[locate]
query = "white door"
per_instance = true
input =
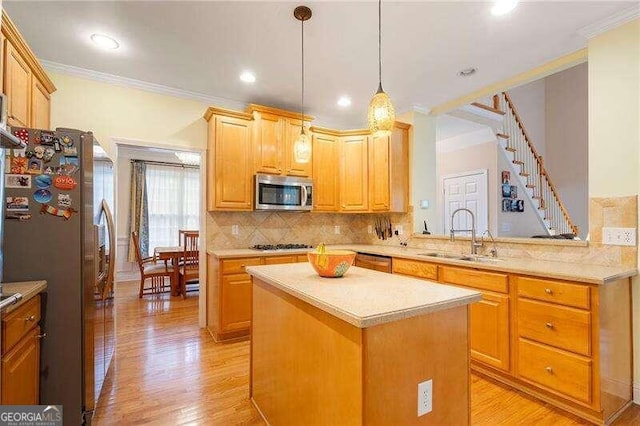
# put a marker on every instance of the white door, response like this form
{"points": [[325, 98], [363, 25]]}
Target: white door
{"points": [[466, 190]]}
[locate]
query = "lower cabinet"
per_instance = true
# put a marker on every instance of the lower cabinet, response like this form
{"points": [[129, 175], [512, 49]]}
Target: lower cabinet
{"points": [[21, 355], [490, 330], [229, 293]]}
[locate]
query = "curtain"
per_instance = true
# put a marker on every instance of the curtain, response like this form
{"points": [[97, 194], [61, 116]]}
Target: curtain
{"points": [[174, 202], [139, 214]]}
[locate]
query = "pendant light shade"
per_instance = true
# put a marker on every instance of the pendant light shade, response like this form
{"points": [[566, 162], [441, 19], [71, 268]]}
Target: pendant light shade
{"points": [[382, 115], [302, 145]]}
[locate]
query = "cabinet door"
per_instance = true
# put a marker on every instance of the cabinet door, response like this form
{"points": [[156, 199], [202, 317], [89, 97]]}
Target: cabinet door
{"points": [[490, 330], [235, 306], [325, 173], [292, 167], [17, 86], [379, 173], [21, 371], [40, 106], [354, 173], [269, 144], [233, 176]]}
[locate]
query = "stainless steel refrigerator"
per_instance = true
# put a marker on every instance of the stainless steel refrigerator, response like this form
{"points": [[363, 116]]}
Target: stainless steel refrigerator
{"points": [[52, 233]]}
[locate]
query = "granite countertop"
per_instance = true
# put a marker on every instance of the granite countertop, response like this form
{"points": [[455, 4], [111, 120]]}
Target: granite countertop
{"points": [[592, 274], [28, 289], [363, 297]]}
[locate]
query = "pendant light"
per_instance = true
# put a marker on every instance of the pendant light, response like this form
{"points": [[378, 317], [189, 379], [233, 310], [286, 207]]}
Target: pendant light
{"points": [[302, 145], [381, 113]]}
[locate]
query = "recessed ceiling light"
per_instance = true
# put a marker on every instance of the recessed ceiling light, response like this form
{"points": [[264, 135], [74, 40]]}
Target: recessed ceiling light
{"points": [[467, 72], [248, 77], [344, 101], [502, 7], [104, 41]]}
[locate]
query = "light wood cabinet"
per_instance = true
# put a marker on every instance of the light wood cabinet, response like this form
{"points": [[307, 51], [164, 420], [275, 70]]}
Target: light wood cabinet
{"points": [[275, 133], [354, 173], [325, 171], [567, 343], [490, 318], [229, 160], [27, 86], [379, 173], [21, 355], [229, 293], [17, 87], [40, 106], [489, 330]]}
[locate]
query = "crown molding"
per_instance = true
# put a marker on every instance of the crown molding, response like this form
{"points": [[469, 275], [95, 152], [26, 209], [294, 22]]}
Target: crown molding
{"points": [[610, 22], [141, 85]]}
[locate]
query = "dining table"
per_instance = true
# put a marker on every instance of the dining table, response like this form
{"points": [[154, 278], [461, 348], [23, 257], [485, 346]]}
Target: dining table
{"points": [[172, 253]]}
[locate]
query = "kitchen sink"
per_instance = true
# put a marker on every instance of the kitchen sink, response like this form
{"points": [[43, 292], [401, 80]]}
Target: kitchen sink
{"points": [[443, 255], [462, 257]]}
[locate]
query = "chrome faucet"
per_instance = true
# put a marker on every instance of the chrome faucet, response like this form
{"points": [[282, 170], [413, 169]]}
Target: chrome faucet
{"points": [[494, 251], [474, 243]]}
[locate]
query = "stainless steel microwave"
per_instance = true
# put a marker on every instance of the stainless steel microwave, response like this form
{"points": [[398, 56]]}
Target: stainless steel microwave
{"points": [[283, 193]]}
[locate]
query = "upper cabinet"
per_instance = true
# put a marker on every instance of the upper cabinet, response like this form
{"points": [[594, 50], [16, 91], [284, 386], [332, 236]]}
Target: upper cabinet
{"points": [[352, 171], [354, 191], [325, 170], [27, 86], [275, 132], [229, 160]]}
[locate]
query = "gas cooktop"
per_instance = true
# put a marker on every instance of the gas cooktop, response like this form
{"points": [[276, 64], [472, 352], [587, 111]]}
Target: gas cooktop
{"points": [[273, 247]]}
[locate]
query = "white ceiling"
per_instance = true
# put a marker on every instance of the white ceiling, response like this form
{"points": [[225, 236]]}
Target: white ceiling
{"points": [[203, 46], [448, 127]]}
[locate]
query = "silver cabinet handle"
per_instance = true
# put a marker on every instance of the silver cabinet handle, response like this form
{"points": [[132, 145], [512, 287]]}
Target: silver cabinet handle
{"points": [[548, 291], [549, 325], [30, 318], [549, 370], [41, 336]]}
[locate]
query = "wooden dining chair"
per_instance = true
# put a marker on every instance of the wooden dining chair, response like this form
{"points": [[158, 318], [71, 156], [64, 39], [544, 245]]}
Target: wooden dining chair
{"points": [[189, 271], [153, 270]]}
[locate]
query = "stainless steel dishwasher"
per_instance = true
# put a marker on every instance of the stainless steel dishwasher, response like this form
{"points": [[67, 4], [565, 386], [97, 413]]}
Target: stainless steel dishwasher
{"points": [[373, 261]]}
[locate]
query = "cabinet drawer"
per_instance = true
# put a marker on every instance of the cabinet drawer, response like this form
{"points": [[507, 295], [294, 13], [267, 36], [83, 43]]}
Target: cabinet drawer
{"points": [[554, 291], [236, 266], [302, 258], [559, 326], [17, 323], [477, 279], [414, 268], [555, 370], [275, 260]]}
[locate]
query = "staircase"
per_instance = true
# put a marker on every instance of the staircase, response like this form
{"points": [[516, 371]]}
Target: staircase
{"points": [[529, 168]]}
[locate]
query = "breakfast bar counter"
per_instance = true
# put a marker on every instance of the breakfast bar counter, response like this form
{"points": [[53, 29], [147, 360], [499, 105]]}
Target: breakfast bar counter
{"points": [[353, 350]]}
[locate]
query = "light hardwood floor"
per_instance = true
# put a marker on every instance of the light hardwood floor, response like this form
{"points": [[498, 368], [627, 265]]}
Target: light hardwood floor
{"points": [[167, 371]]}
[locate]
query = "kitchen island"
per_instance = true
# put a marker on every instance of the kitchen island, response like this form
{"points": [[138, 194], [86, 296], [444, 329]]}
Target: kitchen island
{"points": [[353, 350]]}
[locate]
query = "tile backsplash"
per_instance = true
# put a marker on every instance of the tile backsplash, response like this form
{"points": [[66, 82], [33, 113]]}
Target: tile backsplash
{"points": [[315, 228]]}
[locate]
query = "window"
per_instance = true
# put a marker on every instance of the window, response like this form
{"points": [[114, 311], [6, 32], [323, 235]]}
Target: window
{"points": [[173, 196], [102, 184]]}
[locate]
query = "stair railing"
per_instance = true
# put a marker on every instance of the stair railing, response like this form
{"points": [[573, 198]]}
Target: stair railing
{"points": [[533, 170]]}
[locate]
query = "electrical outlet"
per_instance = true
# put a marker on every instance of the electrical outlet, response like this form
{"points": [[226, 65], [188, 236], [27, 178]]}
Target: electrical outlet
{"points": [[506, 227], [425, 397], [234, 230], [619, 236], [369, 229], [336, 229]]}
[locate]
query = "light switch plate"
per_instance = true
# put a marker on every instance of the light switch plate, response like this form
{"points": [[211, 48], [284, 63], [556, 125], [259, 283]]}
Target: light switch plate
{"points": [[619, 236]]}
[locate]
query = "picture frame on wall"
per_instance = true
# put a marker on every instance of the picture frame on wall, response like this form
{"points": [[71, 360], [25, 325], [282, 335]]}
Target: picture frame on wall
{"points": [[520, 206], [506, 176], [506, 190], [514, 205], [506, 204], [513, 191]]}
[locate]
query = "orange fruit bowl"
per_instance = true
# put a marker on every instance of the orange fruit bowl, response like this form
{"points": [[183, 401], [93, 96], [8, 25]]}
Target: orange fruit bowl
{"points": [[332, 263]]}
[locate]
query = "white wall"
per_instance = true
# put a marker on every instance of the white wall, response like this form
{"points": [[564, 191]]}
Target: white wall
{"points": [[567, 140], [614, 132], [475, 157]]}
